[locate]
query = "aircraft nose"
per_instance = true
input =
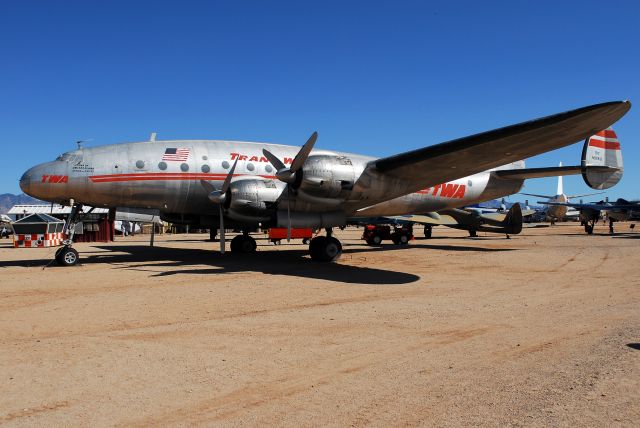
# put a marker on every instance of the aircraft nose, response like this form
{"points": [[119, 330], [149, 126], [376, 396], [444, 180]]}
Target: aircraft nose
{"points": [[25, 182], [46, 181]]}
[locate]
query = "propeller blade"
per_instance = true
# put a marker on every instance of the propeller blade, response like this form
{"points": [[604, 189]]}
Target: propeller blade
{"points": [[288, 216], [221, 230], [227, 180], [273, 159], [303, 154], [207, 186]]}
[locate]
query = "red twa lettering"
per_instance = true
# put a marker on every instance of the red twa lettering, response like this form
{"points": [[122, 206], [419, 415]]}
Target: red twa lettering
{"points": [[288, 161], [55, 179], [460, 192], [448, 190]]}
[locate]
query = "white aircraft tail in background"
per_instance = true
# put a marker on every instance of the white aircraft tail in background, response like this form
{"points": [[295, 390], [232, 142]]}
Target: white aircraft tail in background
{"points": [[601, 149]]}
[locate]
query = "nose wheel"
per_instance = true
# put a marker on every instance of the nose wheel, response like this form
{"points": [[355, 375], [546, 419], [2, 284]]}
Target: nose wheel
{"points": [[67, 256], [325, 249]]}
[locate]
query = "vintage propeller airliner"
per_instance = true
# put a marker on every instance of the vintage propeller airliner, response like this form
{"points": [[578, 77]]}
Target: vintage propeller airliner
{"points": [[211, 183]]}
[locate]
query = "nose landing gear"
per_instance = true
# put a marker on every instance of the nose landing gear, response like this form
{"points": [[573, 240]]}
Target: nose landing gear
{"points": [[67, 255]]}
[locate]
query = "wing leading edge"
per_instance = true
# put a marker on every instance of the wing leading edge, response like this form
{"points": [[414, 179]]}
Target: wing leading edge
{"points": [[397, 175]]}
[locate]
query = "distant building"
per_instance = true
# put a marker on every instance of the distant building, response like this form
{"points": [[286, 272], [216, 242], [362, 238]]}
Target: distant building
{"points": [[95, 226]]}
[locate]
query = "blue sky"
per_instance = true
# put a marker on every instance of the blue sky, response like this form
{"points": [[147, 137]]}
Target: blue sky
{"points": [[371, 77]]}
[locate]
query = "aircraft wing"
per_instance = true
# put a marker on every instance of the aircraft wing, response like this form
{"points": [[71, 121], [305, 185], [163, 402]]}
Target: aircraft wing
{"points": [[408, 172], [435, 219]]}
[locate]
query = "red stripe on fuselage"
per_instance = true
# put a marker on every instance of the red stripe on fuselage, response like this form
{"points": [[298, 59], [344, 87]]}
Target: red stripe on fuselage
{"points": [[164, 176]]}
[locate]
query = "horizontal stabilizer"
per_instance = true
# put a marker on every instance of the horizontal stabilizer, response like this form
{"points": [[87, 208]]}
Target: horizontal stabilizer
{"points": [[553, 171], [536, 195]]}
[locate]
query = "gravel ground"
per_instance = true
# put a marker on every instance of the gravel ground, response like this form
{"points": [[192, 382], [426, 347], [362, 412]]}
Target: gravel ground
{"points": [[539, 330]]}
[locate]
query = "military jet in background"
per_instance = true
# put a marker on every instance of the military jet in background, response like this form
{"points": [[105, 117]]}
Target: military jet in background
{"points": [[620, 210], [210, 183]]}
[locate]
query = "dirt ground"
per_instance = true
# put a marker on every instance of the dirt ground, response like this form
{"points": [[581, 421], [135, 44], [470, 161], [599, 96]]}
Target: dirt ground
{"points": [[539, 330]]}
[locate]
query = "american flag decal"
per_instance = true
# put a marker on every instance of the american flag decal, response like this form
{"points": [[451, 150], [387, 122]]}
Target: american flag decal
{"points": [[176, 155]]}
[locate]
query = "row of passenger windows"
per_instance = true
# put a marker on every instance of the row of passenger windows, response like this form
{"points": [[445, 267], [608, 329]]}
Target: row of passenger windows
{"points": [[204, 168]]}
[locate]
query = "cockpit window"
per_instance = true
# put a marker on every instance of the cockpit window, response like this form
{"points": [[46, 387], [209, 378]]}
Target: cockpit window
{"points": [[70, 157]]}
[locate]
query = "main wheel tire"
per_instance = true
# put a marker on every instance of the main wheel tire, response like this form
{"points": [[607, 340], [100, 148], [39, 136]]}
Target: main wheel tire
{"points": [[473, 234], [325, 249], [249, 245], [403, 239], [427, 231], [67, 257], [376, 240], [243, 244], [330, 250], [314, 246]]}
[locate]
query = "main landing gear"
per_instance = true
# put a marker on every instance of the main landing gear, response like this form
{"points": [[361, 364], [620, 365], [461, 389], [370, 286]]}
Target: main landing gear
{"points": [[588, 226], [243, 244], [325, 248]]}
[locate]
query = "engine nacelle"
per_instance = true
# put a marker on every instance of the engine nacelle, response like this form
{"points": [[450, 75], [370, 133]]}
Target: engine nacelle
{"points": [[326, 177], [253, 200]]}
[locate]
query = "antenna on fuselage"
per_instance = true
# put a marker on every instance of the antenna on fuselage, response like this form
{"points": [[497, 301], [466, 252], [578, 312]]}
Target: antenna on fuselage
{"points": [[79, 142]]}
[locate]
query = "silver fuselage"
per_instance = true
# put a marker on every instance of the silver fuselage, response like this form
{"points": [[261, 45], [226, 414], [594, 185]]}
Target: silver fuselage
{"points": [[135, 175]]}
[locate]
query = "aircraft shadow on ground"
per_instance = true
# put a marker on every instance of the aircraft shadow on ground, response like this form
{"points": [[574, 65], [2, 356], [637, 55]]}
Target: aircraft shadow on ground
{"points": [[140, 256], [413, 246], [626, 235], [287, 263]]}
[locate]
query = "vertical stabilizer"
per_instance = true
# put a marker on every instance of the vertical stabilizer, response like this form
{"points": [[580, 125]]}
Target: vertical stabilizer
{"points": [[560, 190], [602, 149]]}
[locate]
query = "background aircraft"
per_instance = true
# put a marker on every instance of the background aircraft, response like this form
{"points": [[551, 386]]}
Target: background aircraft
{"points": [[620, 210], [209, 183], [559, 212], [506, 222]]}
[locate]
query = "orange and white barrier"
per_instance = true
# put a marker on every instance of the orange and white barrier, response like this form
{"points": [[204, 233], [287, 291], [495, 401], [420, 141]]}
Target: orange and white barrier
{"points": [[38, 240]]}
